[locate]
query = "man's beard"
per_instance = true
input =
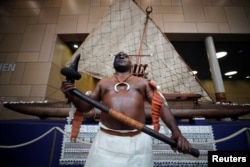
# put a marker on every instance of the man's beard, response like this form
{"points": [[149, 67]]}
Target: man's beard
{"points": [[121, 68]]}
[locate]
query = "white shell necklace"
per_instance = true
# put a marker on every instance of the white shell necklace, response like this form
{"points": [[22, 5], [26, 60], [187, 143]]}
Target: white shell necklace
{"points": [[122, 82]]}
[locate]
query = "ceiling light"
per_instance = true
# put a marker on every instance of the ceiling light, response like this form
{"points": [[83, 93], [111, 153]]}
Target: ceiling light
{"points": [[230, 73], [193, 72], [75, 46], [247, 77], [221, 54]]}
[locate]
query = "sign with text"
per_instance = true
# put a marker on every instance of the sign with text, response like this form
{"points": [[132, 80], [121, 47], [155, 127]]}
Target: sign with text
{"points": [[228, 158], [5, 67]]}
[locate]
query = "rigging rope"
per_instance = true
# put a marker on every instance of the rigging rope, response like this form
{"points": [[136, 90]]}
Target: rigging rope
{"points": [[40, 137], [149, 10], [78, 140], [225, 138]]}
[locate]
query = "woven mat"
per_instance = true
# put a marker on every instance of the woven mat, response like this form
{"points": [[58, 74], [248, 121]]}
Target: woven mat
{"points": [[76, 153]]}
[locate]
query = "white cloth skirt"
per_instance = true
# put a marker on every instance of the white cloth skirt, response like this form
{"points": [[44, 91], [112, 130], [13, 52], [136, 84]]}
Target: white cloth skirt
{"points": [[118, 151]]}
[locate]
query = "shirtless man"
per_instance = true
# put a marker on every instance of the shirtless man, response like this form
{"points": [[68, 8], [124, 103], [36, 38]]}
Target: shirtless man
{"points": [[117, 144]]}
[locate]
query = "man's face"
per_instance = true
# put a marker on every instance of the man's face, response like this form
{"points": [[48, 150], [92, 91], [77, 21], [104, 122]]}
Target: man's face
{"points": [[122, 62]]}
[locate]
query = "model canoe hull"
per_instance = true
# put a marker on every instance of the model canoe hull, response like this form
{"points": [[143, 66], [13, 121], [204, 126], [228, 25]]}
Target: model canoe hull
{"points": [[61, 110]]}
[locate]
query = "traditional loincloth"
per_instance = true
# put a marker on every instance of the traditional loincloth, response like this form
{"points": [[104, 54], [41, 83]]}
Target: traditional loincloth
{"points": [[124, 151]]}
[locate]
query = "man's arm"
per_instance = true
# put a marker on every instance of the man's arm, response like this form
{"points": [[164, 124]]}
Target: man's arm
{"points": [[167, 117], [81, 105]]}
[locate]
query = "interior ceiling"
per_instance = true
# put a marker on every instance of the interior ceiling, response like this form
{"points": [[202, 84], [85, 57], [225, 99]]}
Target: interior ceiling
{"points": [[191, 47]]}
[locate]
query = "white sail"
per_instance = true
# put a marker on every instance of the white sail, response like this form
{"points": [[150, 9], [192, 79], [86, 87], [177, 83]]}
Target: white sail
{"points": [[121, 29]]}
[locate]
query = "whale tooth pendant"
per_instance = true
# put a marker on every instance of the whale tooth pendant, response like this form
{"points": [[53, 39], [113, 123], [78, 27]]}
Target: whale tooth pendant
{"points": [[121, 83]]}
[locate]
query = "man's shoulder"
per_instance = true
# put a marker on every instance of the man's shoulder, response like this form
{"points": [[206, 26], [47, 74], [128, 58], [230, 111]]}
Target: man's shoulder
{"points": [[133, 77], [140, 80], [105, 80]]}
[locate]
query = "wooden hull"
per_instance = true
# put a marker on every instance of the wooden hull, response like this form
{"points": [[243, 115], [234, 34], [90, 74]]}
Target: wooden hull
{"points": [[61, 110], [211, 111]]}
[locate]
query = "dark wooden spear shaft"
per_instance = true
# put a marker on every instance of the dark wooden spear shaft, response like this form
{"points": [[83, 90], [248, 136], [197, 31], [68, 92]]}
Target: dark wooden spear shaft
{"points": [[129, 121]]}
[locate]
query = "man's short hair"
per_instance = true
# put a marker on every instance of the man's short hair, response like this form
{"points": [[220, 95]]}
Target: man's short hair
{"points": [[121, 53]]}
